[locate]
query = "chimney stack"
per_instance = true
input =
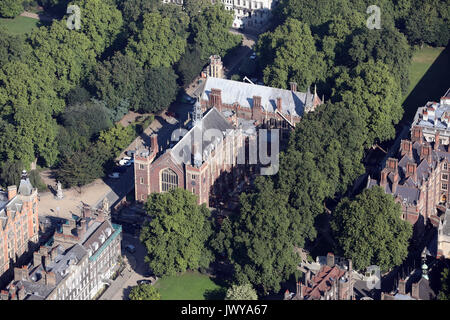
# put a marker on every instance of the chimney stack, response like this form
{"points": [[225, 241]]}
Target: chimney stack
{"points": [[279, 106], [154, 143], [293, 86], [425, 152], [256, 102], [12, 192], [416, 134], [402, 286], [406, 148], [437, 141], [383, 180], [411, 170], [392, 164]]}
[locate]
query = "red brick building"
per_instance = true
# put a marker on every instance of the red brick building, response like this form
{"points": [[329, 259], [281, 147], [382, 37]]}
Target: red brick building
{"points": [[418, 178], [203, 167], [268, 107], [19, 222]]}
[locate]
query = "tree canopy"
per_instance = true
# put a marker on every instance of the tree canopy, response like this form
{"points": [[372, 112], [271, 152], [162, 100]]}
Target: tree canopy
{"points": [[144, 292], [243, 292], [176, 238], [370, 230], [10, 8]]}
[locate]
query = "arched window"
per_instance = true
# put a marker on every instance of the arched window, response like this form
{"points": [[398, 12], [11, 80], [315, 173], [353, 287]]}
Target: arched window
{"points": [[169, 180]]}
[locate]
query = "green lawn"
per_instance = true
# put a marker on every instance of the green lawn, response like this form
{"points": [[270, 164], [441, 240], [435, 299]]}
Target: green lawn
{"points": [[189, 286], [18, 25], [428, 78]]}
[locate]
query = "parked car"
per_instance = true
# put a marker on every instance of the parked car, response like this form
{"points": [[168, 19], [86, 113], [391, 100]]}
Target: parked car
{"points": [[130, 248], [114, 175], [253, 56], [144, 282], [171, 114]]}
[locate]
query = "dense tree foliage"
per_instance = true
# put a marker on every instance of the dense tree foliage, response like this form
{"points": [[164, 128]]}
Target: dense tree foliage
{"points": [[190, 65], [260, 240], [159, 89], [176, 238], [210, 30], [118, 80], [157, 44], [243, 292], [144, 292], [10, 8], [370, 230], [444, 292], [290, 55], [372, 92]]}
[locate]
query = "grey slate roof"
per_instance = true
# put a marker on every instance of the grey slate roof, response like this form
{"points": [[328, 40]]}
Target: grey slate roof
{"points": [[213, 119], [446, 223], [235, 91]]}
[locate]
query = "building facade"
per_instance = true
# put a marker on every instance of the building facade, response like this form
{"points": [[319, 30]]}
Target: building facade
{"points": [[215, 67], [19, 229], [82, 256], [443, 246], [194, 163]]}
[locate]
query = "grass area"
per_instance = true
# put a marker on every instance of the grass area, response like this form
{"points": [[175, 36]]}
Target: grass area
{"points": [[18, 25], [429, 78], [189, 286]]}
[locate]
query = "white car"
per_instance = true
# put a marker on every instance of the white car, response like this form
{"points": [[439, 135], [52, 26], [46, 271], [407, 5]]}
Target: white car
{"points": [[126, 161], [114, 175]]}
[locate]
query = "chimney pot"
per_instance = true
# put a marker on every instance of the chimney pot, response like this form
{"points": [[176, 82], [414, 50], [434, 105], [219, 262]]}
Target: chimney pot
{"points": [[12, 192]]}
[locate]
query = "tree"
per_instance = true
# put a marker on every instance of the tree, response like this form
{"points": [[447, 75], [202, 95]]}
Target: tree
{"points": [[370, 230], [289, 54], [429, 23], [195, 7], [159, 89], [157, 43], [117, 138], [10, 8], [444, 293], [260, 244], [144, 292], [101, 22], [386, 45], [77, 95], [10, 173], [176, 238], [210, 31], [190, 65], [80, 168], [372, 92], [116, 80], [13, 48], [63, 54], [243, 292]]}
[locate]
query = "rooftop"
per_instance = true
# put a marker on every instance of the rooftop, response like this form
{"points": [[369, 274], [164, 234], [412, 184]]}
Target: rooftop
{"points": [[241, 92]]}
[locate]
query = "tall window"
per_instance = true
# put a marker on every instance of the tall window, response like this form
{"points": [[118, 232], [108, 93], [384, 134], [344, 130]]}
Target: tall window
{"points": [[445, 165], [169, 180]]}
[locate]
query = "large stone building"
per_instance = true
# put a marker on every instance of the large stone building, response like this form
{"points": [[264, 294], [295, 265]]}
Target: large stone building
{"points": [[19, 229], [193, 163], [434, 118], [208, 166], [80, 259]]}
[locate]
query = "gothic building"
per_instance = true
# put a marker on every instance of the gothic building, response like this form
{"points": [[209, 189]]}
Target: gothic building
{"points": [[19, 228], [418, 178], [194, 163]]}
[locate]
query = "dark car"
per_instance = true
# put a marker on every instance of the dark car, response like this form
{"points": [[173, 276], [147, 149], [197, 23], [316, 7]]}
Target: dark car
{"points": [[144, 282], [171, 114]]}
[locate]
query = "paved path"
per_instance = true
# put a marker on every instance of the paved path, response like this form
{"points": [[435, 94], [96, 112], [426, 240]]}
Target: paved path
{"points": [[40, 17]]}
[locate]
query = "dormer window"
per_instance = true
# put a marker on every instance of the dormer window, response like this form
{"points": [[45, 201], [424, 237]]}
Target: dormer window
{"points": [[108, 232], [102, 238], [95, 245]]}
